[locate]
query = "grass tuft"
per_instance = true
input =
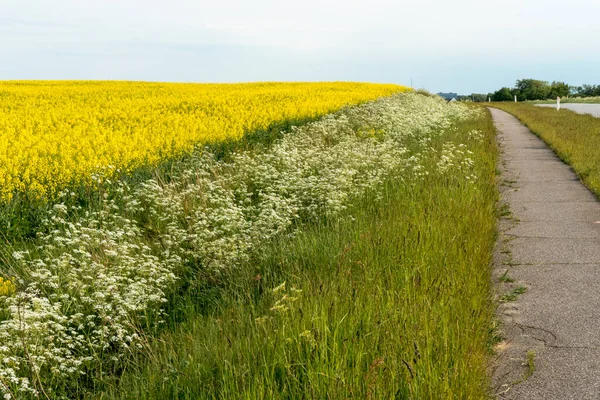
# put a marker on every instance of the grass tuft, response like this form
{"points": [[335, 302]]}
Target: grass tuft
{"points": [[513, 294]]}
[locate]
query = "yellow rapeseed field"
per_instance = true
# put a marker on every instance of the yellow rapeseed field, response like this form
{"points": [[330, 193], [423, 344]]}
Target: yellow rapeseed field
{"points": [[56, 133]]}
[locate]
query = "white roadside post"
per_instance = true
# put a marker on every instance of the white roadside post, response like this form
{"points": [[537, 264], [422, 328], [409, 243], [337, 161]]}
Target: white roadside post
{"points": [[558, 104], [489, 99], [515, 98]]}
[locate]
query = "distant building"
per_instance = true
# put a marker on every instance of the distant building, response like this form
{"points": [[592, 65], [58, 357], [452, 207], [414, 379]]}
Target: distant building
{"points": [[448, 96]]}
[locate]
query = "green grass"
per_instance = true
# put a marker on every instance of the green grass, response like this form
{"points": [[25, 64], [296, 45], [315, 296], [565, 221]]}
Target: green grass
{"points": [[513, 294], [575, 138], [390, 301], [529, 365], [505, 278], [583, 100]]}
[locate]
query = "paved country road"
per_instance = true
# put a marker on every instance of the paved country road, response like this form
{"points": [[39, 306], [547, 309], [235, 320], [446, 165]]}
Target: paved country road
{"points": [[549, 243], [593, 109]]}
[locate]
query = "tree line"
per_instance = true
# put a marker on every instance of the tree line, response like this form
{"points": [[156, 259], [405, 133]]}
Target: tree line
{"points": [[533, 89]]}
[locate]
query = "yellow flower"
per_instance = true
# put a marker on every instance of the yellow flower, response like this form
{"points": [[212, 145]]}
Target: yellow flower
{"points": [[7, 288], [57, 133]]}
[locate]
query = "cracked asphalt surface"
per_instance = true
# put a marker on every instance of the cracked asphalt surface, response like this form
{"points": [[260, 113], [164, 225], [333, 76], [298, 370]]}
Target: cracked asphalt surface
{"points": [[549, 244]]}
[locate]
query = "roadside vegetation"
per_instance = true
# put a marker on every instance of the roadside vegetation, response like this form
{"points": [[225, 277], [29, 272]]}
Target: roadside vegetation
{"points": [[585, 100], [345, 257], [573, 137], [578, 100], [389, 300]]}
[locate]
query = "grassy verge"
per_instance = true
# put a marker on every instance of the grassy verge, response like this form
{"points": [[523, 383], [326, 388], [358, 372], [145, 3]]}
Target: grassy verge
{"points": [[392, 300], [574, 137], [577, 100]]}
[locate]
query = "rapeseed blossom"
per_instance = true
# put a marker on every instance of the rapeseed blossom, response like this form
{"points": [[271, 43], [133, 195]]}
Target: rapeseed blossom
{"points": [[57, 133], [7, 288]]}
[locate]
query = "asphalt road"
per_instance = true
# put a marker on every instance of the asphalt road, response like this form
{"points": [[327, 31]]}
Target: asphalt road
{"points": [[593, 109], [549, 245]]}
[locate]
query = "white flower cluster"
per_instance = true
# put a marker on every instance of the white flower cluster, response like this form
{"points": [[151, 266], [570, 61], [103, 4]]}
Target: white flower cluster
{"points": [[79, 296], [476, 135], [455, 156], [84, 292]]}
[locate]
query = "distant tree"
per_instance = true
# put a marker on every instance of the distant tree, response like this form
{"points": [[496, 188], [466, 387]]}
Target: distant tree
{"points": [[504, 94], [520, 95], [572, 90], [533, 89], [585, 91], [559, 89], [588, 91], [476, 97], [479, 97]]}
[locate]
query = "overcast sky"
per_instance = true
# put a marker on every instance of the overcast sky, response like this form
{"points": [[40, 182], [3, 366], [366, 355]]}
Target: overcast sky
{"points": [[460, 45]]}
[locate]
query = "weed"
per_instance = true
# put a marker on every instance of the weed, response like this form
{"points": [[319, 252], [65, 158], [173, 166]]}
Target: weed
{"points": [[504, 210], [505, 278], [529, 367], [513, 294]]}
